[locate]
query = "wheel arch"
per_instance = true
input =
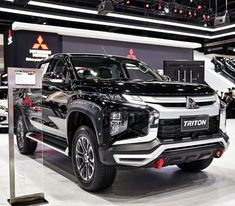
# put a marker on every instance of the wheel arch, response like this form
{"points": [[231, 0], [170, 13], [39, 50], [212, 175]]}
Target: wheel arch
{"points": [[78, 116]]}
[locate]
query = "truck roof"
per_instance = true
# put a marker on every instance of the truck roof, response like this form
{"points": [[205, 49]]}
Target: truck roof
{"points": [[84, 55]]}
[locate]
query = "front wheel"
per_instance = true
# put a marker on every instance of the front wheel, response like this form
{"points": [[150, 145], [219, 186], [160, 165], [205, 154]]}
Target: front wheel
{"points": [[92, 175], [195, 166]]}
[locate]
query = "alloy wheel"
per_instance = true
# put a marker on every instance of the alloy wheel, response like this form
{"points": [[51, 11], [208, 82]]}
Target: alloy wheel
{"points": [[20, 134], [85, 158]]}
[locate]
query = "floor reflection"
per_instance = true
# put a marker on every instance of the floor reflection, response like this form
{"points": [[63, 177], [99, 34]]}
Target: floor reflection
{"points": [[131, 184]]}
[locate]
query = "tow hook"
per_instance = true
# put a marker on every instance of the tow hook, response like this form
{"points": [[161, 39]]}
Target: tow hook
{"points": [[159, 164], [219, 153]]}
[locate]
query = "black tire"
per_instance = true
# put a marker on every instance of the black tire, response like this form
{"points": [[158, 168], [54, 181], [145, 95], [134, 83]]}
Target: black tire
{"points": [[217, 68], [25, 145], [101, 176], [195, 166]]}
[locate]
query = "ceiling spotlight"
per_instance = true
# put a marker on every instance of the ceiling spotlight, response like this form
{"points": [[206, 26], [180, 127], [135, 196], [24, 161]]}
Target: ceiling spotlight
{"points": [[199, 7], [181, 11], [105, 7], [128, 2], [147, 6], [167, 10], [190, 13], [175, 10]]}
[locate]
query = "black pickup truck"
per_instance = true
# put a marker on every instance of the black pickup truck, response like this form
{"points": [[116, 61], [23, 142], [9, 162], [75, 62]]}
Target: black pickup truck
{"points": [[107, 112]]}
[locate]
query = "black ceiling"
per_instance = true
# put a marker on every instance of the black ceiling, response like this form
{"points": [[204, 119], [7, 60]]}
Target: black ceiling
{"points": [[6, 19]]}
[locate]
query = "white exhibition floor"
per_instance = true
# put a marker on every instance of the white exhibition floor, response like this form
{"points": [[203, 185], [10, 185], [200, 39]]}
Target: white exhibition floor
{"points": [[168, 186]]}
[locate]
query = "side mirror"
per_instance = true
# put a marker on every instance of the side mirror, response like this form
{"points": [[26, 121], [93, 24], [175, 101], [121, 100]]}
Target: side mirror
{"points": [[54, 77], [166, 78]]}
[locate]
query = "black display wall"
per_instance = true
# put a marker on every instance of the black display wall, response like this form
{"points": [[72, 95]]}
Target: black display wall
{"points": [[152, 55], [185, 71], [26, 49]]}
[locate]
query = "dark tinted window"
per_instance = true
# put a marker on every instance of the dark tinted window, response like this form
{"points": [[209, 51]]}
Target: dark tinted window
{"points": [[60, 67], [113, 68], [97, 68], [3, 93], [139, 71]]}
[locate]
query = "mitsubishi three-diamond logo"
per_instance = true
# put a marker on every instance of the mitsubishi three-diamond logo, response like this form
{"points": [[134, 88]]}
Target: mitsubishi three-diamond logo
{"points": [[131, 54], [40, 44], [39, 50]]}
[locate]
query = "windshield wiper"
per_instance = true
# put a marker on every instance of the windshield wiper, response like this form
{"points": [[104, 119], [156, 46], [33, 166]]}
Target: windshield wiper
{"points": [[152, 80]]}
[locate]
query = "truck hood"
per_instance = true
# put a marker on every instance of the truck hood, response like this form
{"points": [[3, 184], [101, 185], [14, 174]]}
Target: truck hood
{"points": [[146, 88]]}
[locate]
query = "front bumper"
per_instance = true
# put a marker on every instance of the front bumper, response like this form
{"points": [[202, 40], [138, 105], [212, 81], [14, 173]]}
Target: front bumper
{"points": [[144, 154]]}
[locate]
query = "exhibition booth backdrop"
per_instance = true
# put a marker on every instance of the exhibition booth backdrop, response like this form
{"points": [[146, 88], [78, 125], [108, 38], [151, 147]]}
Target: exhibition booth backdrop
{"points": [[27, 48]]}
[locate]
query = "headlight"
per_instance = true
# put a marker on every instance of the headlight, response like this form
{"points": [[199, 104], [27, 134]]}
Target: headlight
{"points": [[223, 116], [113, 97], [118, 123], [133, 98]]}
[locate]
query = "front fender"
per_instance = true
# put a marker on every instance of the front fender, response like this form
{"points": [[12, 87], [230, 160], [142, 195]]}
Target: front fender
{"points": [[93, 111]]}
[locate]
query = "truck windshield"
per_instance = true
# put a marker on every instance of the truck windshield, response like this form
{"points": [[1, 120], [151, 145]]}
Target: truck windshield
{"points": [[112, 68]]}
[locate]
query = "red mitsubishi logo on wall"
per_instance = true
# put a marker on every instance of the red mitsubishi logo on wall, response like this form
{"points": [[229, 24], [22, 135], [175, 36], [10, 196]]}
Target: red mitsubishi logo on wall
{"points": [[40, 44], [131, 54]]}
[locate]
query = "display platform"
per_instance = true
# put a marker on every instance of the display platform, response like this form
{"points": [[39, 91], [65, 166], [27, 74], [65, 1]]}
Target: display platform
{"points": [[212, 187]]}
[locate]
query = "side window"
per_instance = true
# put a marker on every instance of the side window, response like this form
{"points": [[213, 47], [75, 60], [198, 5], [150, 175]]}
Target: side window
{"points": [[44, 67], [60, 67]]}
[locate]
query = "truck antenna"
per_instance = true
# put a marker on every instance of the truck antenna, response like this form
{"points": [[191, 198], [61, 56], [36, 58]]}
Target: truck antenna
{"points": [[105, 53]]}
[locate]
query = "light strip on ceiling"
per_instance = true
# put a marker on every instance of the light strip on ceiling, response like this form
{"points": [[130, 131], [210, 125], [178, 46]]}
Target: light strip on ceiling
{"points": [[87, 21], [103, 35], [122, 16], [171, 23], [60, 7]]}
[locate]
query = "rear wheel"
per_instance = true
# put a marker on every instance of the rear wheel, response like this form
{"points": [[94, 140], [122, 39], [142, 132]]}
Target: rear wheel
{"points": [[217, 68], [25, 145], [195, 166], [92, 175]]}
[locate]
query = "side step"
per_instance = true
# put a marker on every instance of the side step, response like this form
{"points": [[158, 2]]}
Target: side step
{"points": [[56, 145]]}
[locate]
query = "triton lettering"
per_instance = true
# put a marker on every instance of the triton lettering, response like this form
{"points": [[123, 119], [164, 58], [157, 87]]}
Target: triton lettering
{"points": [[195, 123]]}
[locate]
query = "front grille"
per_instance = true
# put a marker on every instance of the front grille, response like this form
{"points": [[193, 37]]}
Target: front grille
{"points": [[171, 129], [200, 104]]}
